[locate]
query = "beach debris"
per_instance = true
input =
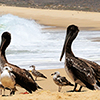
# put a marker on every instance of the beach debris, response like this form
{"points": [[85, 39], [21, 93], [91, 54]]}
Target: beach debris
{"points": [[24, 93]]}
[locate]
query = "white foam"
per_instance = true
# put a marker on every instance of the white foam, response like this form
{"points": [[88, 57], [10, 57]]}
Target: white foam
{"points": [[23, 32]]}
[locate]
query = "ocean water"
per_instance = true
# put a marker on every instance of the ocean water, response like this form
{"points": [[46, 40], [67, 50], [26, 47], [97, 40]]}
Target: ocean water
{"points": [[32, 44]]}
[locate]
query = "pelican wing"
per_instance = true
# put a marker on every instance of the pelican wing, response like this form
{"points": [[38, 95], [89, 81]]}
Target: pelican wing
{"points": [[81, 71], [23, 78], [94, 66]]}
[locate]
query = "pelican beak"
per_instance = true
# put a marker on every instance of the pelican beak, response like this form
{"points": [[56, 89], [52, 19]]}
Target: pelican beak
{"points": [[2, 43], [65, 43]]}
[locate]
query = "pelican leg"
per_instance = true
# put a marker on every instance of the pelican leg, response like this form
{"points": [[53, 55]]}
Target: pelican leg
{"points": [[74, 87], [80, 89], [74, 90]]}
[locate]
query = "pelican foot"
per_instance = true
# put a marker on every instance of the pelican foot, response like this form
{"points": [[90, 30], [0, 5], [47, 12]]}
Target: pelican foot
{"points": [[74, 91]]}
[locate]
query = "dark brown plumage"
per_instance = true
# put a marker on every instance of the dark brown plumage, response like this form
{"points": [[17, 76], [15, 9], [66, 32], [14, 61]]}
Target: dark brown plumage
{"points": [[60, 81], [23, 79], [79, 70], [96, 69], [37, 73]]}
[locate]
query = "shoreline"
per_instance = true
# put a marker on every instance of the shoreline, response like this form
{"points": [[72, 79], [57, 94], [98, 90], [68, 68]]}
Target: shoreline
{"points": [[59, 18]]}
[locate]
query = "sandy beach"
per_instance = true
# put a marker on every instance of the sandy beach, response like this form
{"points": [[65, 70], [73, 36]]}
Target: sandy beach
{"points": [[60, 19], [50, 90]]}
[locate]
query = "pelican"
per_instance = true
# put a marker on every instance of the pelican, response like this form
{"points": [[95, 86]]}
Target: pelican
{"points": [[78, 69], [8, 80], [60, 81], [37, 73], [23, 77]]}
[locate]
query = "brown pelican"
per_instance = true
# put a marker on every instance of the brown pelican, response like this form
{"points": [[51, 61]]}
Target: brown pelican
{"points": [[79, 70], [60, 81], [37, 73], [8, 80], [22, 77]]}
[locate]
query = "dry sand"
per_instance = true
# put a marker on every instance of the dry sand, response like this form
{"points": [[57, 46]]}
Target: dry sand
{"points": [[50, 89], [59, 18]]}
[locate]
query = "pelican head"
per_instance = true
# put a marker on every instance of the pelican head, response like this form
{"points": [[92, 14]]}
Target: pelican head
{"points": [[6, 38], [71, 34]]}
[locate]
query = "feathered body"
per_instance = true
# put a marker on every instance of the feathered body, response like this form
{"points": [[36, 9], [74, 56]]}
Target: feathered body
{"points": [[22, 77], [79, 70]]}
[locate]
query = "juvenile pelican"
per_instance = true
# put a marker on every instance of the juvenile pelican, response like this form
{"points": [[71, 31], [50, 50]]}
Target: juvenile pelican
{"points": [[37, 73], [23, 77], [60, 81], [78, 69]]}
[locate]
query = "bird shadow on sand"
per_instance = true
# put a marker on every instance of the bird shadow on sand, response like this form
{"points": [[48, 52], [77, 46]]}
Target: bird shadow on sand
{"points": [[76, 91], [5, 95], [40, 80]]}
